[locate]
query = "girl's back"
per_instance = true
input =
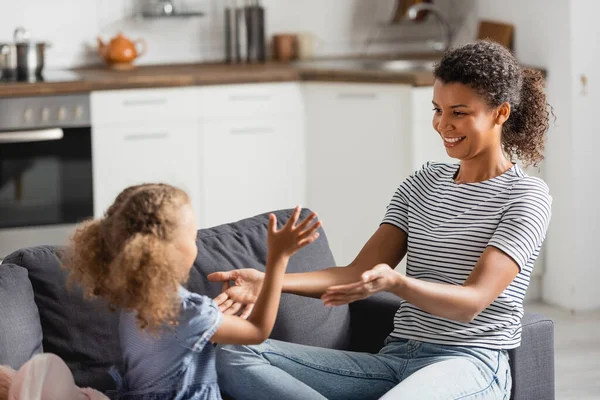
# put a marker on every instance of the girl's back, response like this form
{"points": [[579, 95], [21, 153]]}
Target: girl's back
{"points": [[179, 363]]}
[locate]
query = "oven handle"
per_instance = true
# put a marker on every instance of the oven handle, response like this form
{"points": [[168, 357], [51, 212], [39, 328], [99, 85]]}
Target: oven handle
{"points": [[31, 136]]}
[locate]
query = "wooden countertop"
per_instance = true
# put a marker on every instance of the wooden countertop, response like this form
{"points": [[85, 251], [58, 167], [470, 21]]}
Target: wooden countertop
{"points": [[155, 76], [101, 78]]}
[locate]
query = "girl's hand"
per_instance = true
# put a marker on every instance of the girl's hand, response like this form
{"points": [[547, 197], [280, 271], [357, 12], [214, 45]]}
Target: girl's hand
{"points": [[381, 278], [291, 238]]}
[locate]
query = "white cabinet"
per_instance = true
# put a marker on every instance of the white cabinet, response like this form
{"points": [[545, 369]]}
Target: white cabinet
{"points": [[159, 152], [358, 152], [238, 150], [253, 157], [251, 167], [251, 100], [143, 136], [114, 107]]}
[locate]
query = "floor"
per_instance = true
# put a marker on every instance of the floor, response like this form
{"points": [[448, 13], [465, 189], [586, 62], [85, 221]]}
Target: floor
{"points": [[577, 352]]}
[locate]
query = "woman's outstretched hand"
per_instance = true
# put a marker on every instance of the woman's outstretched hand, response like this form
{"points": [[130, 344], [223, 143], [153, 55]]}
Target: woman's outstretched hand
{"points": [[240, 296], [381, 278]]}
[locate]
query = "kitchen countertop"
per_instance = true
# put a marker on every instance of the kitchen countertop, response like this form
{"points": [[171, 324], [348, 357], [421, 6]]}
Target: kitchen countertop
{"points": [[173, 75]]}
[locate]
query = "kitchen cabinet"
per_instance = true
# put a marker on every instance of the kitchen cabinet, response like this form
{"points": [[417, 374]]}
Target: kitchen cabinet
{"points": [[247, 101], [118, 107], [158, 152], [253, 152], [358, 151], [145, 135], [238, 150], [251, 167]]}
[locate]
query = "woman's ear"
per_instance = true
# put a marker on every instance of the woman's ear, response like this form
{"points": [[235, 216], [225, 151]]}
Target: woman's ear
{"points": [[502, 113]]}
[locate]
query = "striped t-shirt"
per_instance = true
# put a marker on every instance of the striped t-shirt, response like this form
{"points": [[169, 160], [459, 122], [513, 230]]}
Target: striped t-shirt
{"points": [[449, 226]]}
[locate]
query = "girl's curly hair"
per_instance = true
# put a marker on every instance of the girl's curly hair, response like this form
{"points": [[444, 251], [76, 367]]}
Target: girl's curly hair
{"points": [[493, 72], [127, 258]]}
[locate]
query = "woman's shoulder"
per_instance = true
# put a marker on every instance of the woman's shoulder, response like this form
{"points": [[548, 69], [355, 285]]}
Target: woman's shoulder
{"points": [[530, 190], [529, 184]]}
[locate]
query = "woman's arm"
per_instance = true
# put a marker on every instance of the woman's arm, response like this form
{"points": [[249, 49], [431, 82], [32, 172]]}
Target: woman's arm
{"points": [[492, 274], [387, 245], [494, 271], [520, 232]]}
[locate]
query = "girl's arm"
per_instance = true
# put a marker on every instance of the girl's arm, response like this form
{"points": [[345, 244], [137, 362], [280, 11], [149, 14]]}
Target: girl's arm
{"points": [[282, 244]]}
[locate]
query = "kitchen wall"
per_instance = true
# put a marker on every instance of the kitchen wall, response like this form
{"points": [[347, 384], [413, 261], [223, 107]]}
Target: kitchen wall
{"points": [[342, 26], [584, 167]]}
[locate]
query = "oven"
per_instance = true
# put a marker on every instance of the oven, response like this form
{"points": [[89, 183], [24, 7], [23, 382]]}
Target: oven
{"points": [[45, 169]]}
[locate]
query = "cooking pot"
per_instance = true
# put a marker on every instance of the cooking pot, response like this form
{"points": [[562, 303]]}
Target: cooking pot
{"points": [[23, 58], [8, 60]]}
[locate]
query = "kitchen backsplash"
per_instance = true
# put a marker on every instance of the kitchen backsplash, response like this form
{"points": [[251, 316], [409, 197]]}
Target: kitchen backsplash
{"points": [[340, 27]]}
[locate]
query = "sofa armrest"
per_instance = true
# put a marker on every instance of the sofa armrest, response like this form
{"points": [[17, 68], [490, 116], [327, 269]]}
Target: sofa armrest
{"points": [[371, 321], [532, 363]]}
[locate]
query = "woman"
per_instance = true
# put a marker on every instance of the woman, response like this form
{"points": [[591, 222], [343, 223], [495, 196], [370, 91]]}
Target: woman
{"points": [[471, 232]]}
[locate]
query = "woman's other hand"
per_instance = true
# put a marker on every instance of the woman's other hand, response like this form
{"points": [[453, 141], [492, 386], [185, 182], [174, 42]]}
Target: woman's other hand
{"points": [[381, 278]]}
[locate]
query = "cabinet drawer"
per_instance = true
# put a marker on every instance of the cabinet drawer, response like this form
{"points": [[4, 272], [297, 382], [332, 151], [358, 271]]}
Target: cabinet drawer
{"points": [[143, 105], [251, 100]]}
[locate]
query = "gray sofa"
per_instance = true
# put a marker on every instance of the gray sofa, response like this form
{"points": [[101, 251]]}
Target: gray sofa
{"points": [[38, 313]]}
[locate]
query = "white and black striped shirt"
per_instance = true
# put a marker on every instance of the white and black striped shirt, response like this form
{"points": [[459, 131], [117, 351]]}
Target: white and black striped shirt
{"points": [[449, 226]]}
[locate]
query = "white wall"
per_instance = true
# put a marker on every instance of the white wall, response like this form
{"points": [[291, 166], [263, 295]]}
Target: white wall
{"points": [[72, 26], [585, 60]]}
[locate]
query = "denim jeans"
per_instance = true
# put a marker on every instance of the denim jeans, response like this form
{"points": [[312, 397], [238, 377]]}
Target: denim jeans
{"points": [[403, 369]]}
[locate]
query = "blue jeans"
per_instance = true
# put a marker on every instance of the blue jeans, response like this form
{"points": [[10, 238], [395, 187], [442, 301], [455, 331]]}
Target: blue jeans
{"points": [[403, 369]]}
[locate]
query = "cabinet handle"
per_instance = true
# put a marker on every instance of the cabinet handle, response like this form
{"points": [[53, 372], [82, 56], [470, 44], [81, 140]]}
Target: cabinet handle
{"points": [[249, 97], [145, 136], [253, 130], [362, 96], [144, 102]]}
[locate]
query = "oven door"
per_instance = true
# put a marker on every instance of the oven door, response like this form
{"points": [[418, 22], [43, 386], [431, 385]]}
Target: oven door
{"points": [[45, 185]]}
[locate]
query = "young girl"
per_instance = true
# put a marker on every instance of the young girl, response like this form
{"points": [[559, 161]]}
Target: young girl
{"points": [[136, 259]]}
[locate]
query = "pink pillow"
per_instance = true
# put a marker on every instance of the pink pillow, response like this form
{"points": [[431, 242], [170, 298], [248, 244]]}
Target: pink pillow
{"points": [[47, 377]]}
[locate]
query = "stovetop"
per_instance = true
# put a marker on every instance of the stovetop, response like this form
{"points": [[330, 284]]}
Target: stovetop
{"points": [[47, 76]]}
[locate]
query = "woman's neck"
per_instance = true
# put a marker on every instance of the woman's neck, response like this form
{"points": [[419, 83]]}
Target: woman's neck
{"points": [[482, 168]]}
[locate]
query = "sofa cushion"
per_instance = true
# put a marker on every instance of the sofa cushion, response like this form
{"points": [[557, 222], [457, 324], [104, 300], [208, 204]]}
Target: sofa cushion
{"points": [[243, 245], [532, 363], [20, 330], [83, 333]]}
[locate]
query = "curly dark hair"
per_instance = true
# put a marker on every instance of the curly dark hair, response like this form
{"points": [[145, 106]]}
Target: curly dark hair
{"points": [[494, 73], [127, 257]]}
